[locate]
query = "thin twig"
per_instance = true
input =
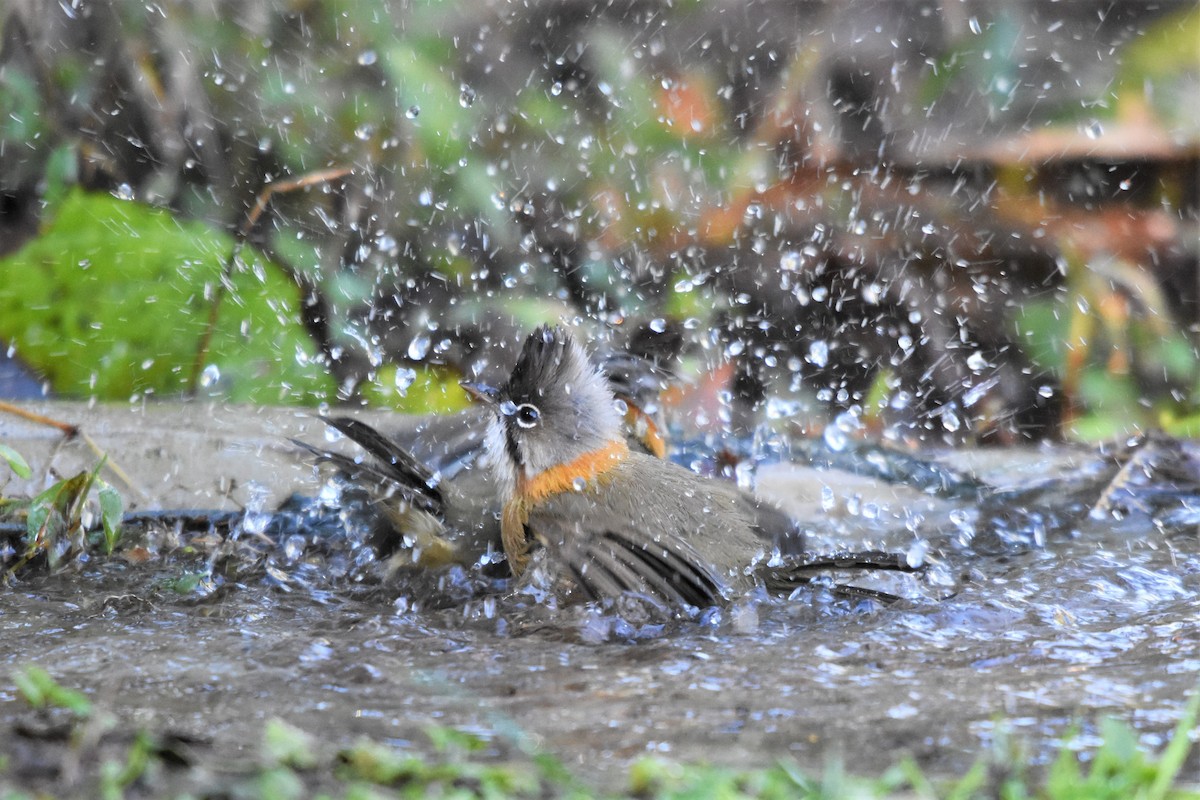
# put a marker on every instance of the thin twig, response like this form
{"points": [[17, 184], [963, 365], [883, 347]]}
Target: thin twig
{"points": [[68, 430], [115, 468], [240, 236]]}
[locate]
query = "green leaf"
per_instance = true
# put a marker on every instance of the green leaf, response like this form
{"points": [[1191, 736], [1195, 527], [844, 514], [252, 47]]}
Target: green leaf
{"points": [[17, 464], [39, 689], [446, 738], [113, 298], [285, 745], [1176, 753], [112, 506]]}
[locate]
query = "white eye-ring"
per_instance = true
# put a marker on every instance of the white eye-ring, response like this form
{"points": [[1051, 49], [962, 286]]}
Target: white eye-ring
{"points": [[527, 415]]}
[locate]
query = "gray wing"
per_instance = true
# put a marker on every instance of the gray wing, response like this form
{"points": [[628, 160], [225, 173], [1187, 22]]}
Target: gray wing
{"points": [[617, 559]]}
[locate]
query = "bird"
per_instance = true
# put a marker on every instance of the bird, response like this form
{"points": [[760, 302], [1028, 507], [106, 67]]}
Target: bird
{"points": [[616, 520], [565, 474], [434, 505]]}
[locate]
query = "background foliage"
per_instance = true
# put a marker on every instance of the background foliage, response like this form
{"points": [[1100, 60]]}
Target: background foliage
{"points": [[960, 223]]}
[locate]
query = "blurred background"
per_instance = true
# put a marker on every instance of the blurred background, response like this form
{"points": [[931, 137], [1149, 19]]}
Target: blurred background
{"points": [[954, 221]]}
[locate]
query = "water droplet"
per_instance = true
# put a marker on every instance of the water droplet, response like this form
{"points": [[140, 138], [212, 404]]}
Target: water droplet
{"points": [[425, 198], [466, 96], [556, 88], [818, 353], [405, 376], [915, 555], [950, 420], [977, 362], [579, 484], [210, 375], [293, 547], [790, 261], [973, 23], [367, 58], [744, 473], [1093, 129], [658, 324], [828, 500], [837, 434], [418, 348], [1046, 391], [979, 391], [778, 408], [413, 112]]}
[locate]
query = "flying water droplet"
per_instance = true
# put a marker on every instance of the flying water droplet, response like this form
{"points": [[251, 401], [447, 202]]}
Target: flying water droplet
{"points": [[779, 408], [210, 375], [744, 474], [418, 348], [413, 112], [466, 96], [405, 377], [818, 353], [367, 58], [915, 555], [837, 434], [293, 547]]}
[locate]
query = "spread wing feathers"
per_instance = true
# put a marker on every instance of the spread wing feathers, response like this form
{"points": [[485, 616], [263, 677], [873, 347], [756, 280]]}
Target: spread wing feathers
{"points": [[391, 470], [792, 570], [626, 561]]}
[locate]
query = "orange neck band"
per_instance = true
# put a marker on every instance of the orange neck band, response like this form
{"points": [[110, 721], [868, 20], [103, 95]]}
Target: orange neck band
{"points": [[562, 478]]}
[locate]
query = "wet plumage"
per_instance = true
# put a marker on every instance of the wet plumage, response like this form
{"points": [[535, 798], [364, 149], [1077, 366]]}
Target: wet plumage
{"points": [[615, 520]]}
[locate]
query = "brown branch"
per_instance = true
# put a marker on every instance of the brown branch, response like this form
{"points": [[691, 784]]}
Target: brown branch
{"points": [[69, 430], [240, 236]]}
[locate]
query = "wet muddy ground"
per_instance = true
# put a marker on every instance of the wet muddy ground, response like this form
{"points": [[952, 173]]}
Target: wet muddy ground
{"points": [[1067, 591]]}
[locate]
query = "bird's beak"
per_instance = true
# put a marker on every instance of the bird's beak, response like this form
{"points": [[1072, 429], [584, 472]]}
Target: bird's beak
{"points": [[481, 392]]}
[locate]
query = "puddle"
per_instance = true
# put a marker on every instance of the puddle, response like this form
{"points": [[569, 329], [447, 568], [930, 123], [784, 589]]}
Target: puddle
{"points": [[1034, 616]]}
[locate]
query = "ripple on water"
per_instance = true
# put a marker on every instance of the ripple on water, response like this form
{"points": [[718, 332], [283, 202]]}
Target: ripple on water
{"points": [[1046, 628]]}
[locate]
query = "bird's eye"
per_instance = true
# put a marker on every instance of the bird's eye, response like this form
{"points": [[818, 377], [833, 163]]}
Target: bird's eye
{"points": [[527, 415]]}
